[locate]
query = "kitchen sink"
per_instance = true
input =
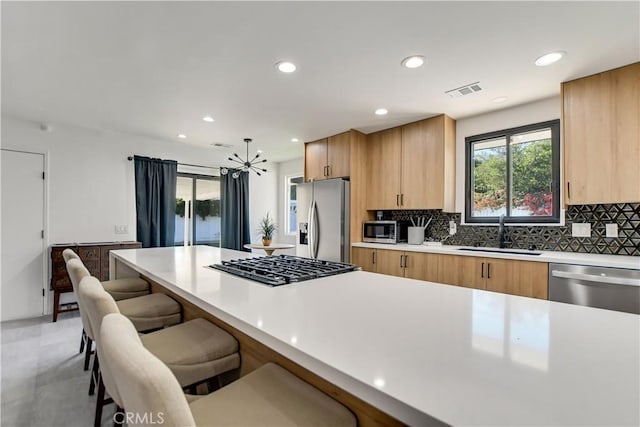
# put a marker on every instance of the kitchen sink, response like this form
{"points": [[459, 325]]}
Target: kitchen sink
{"points": [[500, 251]]}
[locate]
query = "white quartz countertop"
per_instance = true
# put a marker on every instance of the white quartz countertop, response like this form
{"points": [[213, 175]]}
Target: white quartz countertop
{"points": [[423, 352], [618, 261]]}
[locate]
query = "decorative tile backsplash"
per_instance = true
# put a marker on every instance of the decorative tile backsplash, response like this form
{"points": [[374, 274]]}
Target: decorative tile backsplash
{"points": [[626, 215]]}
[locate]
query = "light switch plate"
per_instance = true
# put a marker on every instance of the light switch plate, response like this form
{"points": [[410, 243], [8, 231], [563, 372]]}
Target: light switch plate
{"points": [[452, 228], [121, 229], [612, 230], [581, 229]]}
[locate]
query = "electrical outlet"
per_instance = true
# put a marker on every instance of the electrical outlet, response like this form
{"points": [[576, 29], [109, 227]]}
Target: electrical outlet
{"points": [[581, 229], [121, 229], [612, 230], [452, 228]]}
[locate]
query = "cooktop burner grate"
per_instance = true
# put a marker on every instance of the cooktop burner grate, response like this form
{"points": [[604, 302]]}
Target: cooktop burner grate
{"points": [[282, 269]]}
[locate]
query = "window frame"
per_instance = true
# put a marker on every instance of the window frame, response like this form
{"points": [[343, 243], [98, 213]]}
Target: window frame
{"points": [[287, 192], [554, 125]]}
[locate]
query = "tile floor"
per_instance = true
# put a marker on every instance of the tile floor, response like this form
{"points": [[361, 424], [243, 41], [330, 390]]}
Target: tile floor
{"points": [[42, 381]]}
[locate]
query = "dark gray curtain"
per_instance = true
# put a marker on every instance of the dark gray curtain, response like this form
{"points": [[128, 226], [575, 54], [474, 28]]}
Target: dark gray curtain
{"points": [[234, 198], [155, 201]]}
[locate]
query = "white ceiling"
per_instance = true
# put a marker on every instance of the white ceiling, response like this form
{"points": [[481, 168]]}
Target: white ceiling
{"points": [[155, 68]]}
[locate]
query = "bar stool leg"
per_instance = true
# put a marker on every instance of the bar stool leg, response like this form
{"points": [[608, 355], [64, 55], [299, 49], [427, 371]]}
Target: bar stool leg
{"points": [[82, 338], [97, 421], [94, 375], [87, 354]]}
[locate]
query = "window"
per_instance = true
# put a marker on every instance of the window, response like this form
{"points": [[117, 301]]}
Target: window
{"points": [[291, 207], [197, 210], [515, 173]]}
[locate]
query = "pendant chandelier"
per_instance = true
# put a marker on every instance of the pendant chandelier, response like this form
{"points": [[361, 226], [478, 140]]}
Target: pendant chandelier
{"points": [[247, 165]]}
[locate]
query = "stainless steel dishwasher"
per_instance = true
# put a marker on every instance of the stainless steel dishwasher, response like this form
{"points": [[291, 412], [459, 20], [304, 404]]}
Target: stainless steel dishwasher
{"points": [[602, 287]]}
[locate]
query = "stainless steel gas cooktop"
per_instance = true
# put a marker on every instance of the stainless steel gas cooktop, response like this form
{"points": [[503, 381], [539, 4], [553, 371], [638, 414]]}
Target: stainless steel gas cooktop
{"points": [[282, 269]]}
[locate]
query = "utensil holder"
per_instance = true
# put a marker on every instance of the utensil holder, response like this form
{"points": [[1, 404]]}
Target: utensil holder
{"points": [[415, 235]]}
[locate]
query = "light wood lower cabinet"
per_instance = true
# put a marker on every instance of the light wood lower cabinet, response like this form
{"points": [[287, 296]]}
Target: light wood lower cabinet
{"points": [[523, 278], [413, 265], [364, 258]]}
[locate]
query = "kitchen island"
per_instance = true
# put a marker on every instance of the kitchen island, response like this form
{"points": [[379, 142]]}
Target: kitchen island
{"points": [[422, 353]]}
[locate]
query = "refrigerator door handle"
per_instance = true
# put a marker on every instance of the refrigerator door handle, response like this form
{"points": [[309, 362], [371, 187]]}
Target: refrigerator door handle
{"points": [[316, 231]]}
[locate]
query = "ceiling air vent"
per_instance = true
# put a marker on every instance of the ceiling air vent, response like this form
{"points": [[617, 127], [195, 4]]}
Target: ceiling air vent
{"points": [[464, 90], [221, 145]]}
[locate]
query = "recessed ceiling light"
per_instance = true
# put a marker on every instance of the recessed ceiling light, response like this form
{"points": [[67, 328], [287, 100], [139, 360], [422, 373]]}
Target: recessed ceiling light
{"points": [[286, 67], [181, 136], [499, 99], [381, 111], [414, 61], [294, 140], [549, 58], [208, 119]]}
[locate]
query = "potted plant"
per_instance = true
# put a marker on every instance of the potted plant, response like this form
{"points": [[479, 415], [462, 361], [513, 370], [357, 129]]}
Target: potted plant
{"points": [[266, 229]]}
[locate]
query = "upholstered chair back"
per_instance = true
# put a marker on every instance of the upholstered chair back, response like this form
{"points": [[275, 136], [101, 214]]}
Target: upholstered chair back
{"points": [[148, 388], [77, 271], [68, 254], [98, 303]]}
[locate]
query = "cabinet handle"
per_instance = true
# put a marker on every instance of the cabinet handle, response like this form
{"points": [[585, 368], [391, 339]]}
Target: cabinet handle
{"points": [[328, 170], [568, 190], [406, 260], [401, 199], [397, 200], [489, 270], [482, 271], [373, 257], [401, 259]]}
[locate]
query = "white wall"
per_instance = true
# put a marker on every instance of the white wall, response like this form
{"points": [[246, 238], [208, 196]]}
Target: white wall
{"points": [[263, 198], [539, 111], [90, 182], [291, 167]]}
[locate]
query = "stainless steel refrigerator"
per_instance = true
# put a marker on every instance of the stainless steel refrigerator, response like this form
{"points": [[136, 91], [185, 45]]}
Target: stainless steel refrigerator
{"points": [[323, 220]]}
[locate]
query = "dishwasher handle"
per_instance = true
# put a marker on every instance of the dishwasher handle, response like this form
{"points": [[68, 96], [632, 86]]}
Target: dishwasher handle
{"points": [[596, 278]]}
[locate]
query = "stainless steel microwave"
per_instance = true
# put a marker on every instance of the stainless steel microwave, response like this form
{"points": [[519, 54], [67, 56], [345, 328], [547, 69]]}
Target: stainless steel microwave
{"points": [[384, 232]]}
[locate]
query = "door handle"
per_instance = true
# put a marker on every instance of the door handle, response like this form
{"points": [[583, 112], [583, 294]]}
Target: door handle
{"points": [[482, 271]]}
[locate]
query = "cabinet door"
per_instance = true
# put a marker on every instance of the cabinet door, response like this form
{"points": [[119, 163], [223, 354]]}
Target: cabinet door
{"points": [[365, 258], [422, 266], [600, 119], [422, 183], [461, 270], [339, 155], [524, 278], [390, 262], [383, 169], [315, 160]]}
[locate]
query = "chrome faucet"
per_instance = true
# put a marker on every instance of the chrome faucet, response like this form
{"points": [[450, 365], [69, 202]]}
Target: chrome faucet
{"points": [[501, 232]]}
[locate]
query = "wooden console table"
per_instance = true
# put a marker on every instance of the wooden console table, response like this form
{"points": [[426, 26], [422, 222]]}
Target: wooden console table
{"points": [[95, 257]]}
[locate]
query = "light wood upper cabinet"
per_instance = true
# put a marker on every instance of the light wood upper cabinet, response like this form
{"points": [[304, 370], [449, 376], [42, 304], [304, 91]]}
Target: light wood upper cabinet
{"points": [[328, 157], [365, 258], [413, 166], [315, 160], [338, 155], [601, 137], [383, 169]]}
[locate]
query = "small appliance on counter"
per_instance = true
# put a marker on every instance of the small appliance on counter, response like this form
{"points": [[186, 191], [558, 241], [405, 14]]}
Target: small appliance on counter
{"points": [[384, 232]]}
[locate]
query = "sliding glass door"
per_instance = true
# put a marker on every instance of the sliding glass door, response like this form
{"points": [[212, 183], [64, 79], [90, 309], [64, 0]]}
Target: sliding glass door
{"points": [[197, 210]]}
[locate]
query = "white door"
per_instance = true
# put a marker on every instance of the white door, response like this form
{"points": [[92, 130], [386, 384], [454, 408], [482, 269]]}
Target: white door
{"points": [[22, 243]]}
